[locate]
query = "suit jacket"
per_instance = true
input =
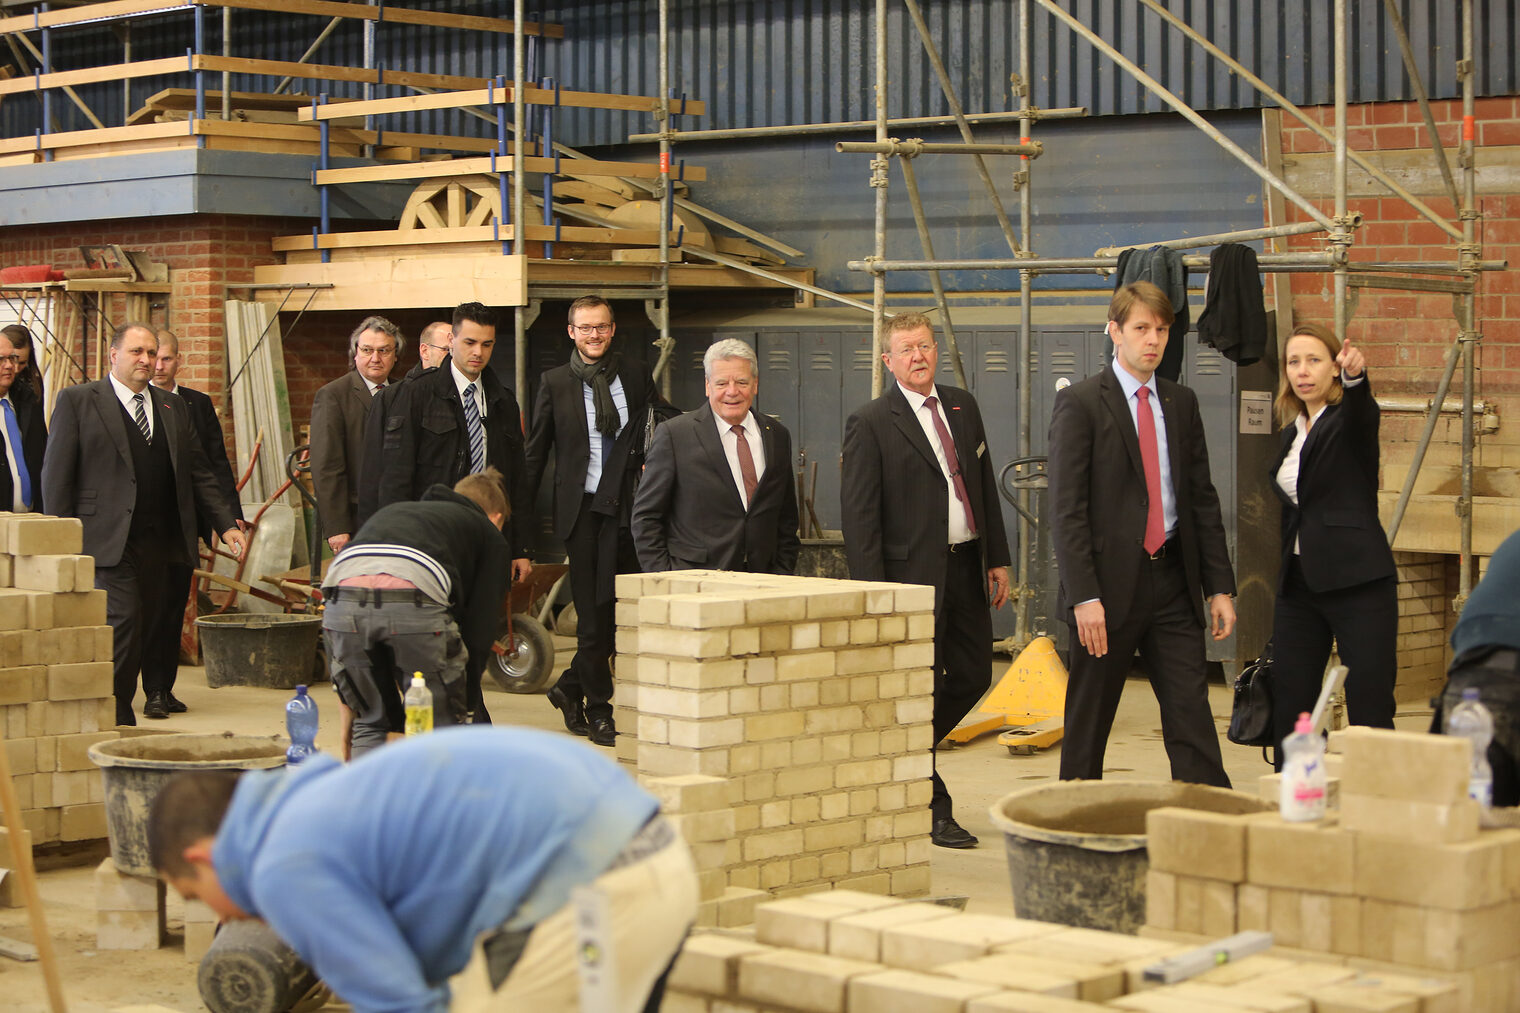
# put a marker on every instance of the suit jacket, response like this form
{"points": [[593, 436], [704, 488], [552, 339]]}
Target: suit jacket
{"points": [[88, 471], [33, 445], [209, 430], [688, 513], [337, 447], [1098, 498], [894, 497], [1336, 519], [373, 458], [425, 444], [559, 423]]}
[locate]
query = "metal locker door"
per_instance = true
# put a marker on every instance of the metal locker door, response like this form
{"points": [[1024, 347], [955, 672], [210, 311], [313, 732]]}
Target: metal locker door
{"points": [[820, 434], [1212, 378]]}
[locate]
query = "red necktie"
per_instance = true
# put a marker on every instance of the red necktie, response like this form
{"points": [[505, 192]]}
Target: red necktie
{"points": [[1145, 424], [948, 446], [746, 464]]}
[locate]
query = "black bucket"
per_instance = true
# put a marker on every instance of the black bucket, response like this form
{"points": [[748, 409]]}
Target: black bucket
{"points": [[135, 769], [1076, 849], [270, 649]]}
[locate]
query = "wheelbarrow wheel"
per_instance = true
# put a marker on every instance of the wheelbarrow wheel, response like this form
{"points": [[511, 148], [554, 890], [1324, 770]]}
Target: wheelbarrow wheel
{"points": [[527, 666]]}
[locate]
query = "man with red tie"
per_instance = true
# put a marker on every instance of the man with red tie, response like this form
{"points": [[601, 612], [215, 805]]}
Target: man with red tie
{"points": [[919, 505], [1140, 545]]}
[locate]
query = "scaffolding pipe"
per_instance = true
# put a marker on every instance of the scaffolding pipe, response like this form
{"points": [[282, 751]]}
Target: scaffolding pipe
{"points": [[958, 112], [227, 52], [1340, 236], [311, 51], [844, 126], [1418, 84], [1265, 261], [1193, 242], [519, 204], [879, 181], [667, 208], [1188, 113], [1470, 336], [1261, 86], [914, 147], [1453, 354], [1427, 267], [1022, 625], [760, 272], [922, 224]]}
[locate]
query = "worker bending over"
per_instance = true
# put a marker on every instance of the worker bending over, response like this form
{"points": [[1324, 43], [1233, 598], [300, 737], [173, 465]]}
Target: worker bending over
{"points": [[438, 873]]}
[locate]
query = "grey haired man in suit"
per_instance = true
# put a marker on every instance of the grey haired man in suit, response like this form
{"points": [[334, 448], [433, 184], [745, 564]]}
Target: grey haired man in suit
{"points": [[124, 458]]}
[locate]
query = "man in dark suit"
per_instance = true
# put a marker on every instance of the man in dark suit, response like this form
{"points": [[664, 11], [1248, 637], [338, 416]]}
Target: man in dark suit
{"points": [[591, 412], [454, 421], [1139, 543], [432, 351], [717, 491], [22, 434], [920, 506], [337, 426], [161, 651], [124, 458]]}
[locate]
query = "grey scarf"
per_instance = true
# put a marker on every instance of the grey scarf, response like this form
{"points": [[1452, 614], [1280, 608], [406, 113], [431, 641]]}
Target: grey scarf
{"points": [[600, 375]]}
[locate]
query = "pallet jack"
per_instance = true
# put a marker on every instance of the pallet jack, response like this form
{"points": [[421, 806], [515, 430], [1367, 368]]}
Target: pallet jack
{"points": [[1029, 700]]}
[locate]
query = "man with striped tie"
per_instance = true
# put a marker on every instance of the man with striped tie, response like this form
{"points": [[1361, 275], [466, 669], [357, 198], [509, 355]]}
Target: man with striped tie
{"points": [[454, 421], [124, 458]]}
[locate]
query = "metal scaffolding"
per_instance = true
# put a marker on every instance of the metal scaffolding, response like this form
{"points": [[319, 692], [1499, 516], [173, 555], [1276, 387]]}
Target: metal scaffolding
{"points": [[1338, 226]]}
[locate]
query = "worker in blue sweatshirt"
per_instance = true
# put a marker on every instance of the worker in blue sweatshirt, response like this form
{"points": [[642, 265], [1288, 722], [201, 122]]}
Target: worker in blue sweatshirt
{"points": [[437, 873]]}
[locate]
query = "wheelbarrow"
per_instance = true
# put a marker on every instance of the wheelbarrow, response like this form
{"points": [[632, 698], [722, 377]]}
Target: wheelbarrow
{"points": [[522, 658]]}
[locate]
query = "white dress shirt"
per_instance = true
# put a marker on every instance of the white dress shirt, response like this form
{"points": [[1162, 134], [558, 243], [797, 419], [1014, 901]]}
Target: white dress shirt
{"points": [[369, 384], [17, 506], [620, 401], [127, 397], [460, 383], [960, 528], [731, 450]]}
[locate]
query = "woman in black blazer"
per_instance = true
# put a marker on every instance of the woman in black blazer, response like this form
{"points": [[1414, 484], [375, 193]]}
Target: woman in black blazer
{"points": [[1338, 578]]}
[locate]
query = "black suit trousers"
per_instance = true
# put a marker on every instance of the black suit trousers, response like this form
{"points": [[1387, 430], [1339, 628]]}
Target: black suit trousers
{"points": [[160, 662], [962, 653], [135, 597], [1163, 627], [1363, 621], [596, 544]]}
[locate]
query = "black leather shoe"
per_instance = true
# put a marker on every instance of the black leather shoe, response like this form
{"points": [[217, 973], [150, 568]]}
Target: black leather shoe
{"points": [[573, 710], [156, 707], [173, 704], [124, 716], [603, 732], [946, 833]]}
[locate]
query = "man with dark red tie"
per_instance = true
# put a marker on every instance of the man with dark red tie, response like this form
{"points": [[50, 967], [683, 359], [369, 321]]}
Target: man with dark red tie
{"points": [[920, 506], [1140, 545]]}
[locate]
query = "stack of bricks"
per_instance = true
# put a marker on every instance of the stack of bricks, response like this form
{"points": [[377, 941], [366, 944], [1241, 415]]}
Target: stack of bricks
{"points": [[1400, 881], [55, 686], [812, 697], [131, 913], [1424, 615]]}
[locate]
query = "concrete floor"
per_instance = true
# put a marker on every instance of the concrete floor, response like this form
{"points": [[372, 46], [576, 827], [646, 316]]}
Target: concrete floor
{"points": [[978, 775]]}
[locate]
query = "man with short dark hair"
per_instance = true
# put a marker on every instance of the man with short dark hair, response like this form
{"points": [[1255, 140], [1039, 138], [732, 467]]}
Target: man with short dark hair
{"points": [[161, 652], [717, 491], [418, 589], [337, 426], [22, 434], [591, 413], [920, 506], [445, 871], [124, 458], [1140, 544]]}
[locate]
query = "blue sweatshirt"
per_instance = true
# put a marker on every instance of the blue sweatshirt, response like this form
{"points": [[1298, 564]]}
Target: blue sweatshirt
{"points": [[381, 874]]}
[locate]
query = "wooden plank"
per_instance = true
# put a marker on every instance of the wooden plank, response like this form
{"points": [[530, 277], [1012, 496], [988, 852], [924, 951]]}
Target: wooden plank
{"points": [[184, 99], [429, 237], [74, 15], [142, 131], [94, 75], [399, 15], [532, 94], [471, 166], [403, 283]]}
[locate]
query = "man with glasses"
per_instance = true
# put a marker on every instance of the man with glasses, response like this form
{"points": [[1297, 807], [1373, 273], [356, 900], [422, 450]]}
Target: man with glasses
{"points": [[23, 435], [432, 351], [337, 426], [920, 506], [592, 413]]}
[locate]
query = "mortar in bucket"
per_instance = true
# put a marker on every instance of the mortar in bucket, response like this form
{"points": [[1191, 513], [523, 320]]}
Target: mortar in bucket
{"points": [[275, 650], [135, 769], [1077, 849]]}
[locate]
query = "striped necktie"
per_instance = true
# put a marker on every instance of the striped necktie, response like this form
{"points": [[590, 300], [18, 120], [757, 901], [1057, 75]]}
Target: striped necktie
{"points": [[475, 429], [141, 417]]}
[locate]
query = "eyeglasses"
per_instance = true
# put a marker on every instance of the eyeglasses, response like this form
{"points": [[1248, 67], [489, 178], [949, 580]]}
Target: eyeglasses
{"points": [[10, 360], [907, 350], [366, 352], [438, 348], [586, 330]]}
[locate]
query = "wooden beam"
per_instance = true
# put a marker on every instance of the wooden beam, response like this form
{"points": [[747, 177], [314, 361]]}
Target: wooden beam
{"points": [[503, 163], [142, 131], [430, 237], [532, 94], [95, 75], [401, 283], [331, 72], [319, 8]]}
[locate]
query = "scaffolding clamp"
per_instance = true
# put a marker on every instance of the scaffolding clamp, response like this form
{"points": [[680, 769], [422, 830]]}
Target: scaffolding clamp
{"points": [[1469, 256], [879, 173]]}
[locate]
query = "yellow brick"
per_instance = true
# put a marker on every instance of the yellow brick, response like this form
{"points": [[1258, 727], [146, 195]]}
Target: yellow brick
{"points": [[1420, 822], [47, 573], [90, 680], [1310, 856], [1455, 876], [85, 822], [1405, 765], [1194, 842], [859, 936], [38, 535], [809, 665], [709, 963], [1160, 899], [796, 980], [79, 608], [73, 750], [19, 685], [924, 945], [1045, 984], [911, 992]]}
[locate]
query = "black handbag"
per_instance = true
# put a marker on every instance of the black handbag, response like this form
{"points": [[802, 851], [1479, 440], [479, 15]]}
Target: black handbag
{"points": [[1251, 712]]}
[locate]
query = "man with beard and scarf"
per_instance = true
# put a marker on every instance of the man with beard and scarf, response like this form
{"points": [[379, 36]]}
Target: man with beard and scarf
{"points": [[593, 412]]}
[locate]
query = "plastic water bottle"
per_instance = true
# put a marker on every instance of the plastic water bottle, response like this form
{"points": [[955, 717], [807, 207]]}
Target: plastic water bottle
{"points": [[1473, 722], [419, 707], [301, 726], [1303, 774]]}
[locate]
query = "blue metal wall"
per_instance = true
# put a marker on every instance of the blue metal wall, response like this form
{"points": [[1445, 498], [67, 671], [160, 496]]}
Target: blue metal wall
{"points": [[765, 62]]}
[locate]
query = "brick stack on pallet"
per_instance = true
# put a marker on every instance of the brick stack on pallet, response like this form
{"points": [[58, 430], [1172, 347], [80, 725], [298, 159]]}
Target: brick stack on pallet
{"points": [[1400, 881], [812, 697], [55, 676]]}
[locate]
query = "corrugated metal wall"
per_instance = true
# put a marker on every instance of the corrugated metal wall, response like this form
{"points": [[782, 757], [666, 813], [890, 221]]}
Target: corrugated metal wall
{"points": [[765, 62]]}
